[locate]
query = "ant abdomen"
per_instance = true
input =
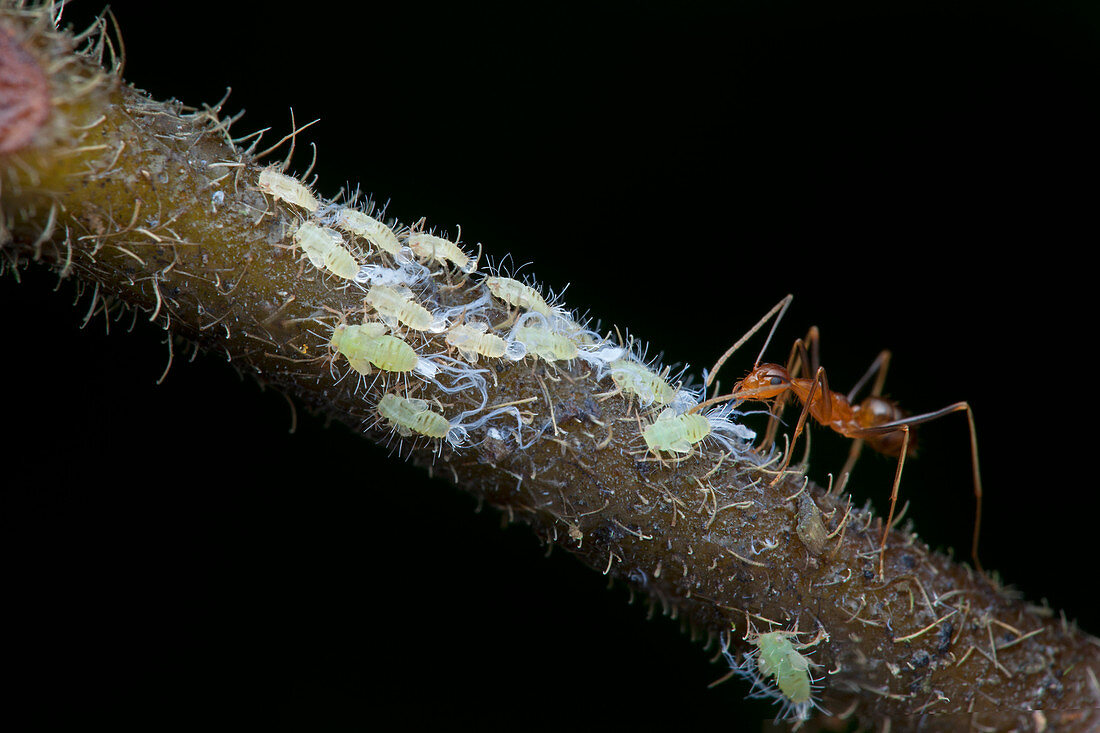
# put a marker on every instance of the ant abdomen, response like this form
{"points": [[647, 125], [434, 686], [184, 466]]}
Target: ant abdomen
{"points": [[875, 411]]}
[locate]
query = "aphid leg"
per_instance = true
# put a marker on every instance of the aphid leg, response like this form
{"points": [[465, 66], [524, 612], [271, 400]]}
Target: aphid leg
{"points": [[473, 266], [513, 315], [780, 308]]}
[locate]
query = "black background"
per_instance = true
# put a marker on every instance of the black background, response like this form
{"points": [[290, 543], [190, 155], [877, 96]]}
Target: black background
{"points": [[922, 178]]}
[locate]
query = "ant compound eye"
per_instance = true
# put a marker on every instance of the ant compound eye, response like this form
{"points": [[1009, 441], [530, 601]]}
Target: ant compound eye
{"points": [[776, 381]]}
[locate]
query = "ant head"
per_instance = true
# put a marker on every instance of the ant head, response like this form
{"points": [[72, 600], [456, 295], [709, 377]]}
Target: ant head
{"points": [[764, 381]]}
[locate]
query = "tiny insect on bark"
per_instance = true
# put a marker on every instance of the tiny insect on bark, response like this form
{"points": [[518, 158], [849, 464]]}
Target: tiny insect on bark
{"points": [[410, 416], [365, 226], [791, 670], [674, 433], [472, 340], [431, 247], [326, 250], [546, 344], [284, 188], [513, 292], [641, 381], [368, 343], [397, 306]]}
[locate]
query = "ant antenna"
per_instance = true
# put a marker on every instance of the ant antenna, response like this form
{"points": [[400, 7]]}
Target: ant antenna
{"points": [[781, 308]]}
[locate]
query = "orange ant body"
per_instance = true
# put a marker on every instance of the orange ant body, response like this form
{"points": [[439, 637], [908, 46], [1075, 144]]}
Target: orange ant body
{"points": [[875, 420]]}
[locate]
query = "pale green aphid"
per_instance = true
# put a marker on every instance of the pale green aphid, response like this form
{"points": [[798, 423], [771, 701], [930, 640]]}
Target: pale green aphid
{"points": [[397, 306], [431, 247], [326, 250], [362, 225], [546, 344], [676, 433], [410, 416], [281, 186], [779, 659], [641, 381], [513, 292], [368, 344], [473, 339]]}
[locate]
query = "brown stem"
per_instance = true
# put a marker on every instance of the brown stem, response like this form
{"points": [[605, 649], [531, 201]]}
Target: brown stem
{"points": [[155, 207]]}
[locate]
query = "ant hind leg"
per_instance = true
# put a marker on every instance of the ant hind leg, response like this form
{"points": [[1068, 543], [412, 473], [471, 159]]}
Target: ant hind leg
{"points": [[893, 501], [975, 466]]}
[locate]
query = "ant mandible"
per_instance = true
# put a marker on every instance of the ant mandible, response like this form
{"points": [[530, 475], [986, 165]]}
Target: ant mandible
{"points": [[875, 420]]}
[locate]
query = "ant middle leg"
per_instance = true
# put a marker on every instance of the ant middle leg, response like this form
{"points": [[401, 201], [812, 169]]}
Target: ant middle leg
{"points": [[878, 368]]}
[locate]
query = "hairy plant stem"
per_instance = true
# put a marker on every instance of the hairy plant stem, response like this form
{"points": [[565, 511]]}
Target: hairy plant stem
{"points": [[155, 208]]}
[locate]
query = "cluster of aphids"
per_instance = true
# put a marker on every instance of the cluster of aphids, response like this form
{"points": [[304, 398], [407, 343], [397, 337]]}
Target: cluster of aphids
{"points": [[402, 310]]}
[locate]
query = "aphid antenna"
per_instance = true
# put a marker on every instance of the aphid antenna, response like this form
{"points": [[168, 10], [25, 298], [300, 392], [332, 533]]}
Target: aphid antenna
{"points": [[292, 136], [335, 200], [582, 324], [560, 320], [319, 322], [627, 343], [681, 379], [639, 352], [311, 164], [555, 298], [502, 269], [353, 197]]}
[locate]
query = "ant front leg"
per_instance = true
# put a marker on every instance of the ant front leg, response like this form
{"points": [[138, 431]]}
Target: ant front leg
{"points": [[819, 384], [796, 361]]}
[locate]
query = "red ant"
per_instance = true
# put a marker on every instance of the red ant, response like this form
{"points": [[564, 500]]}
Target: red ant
{"points": [[875, 420]]}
